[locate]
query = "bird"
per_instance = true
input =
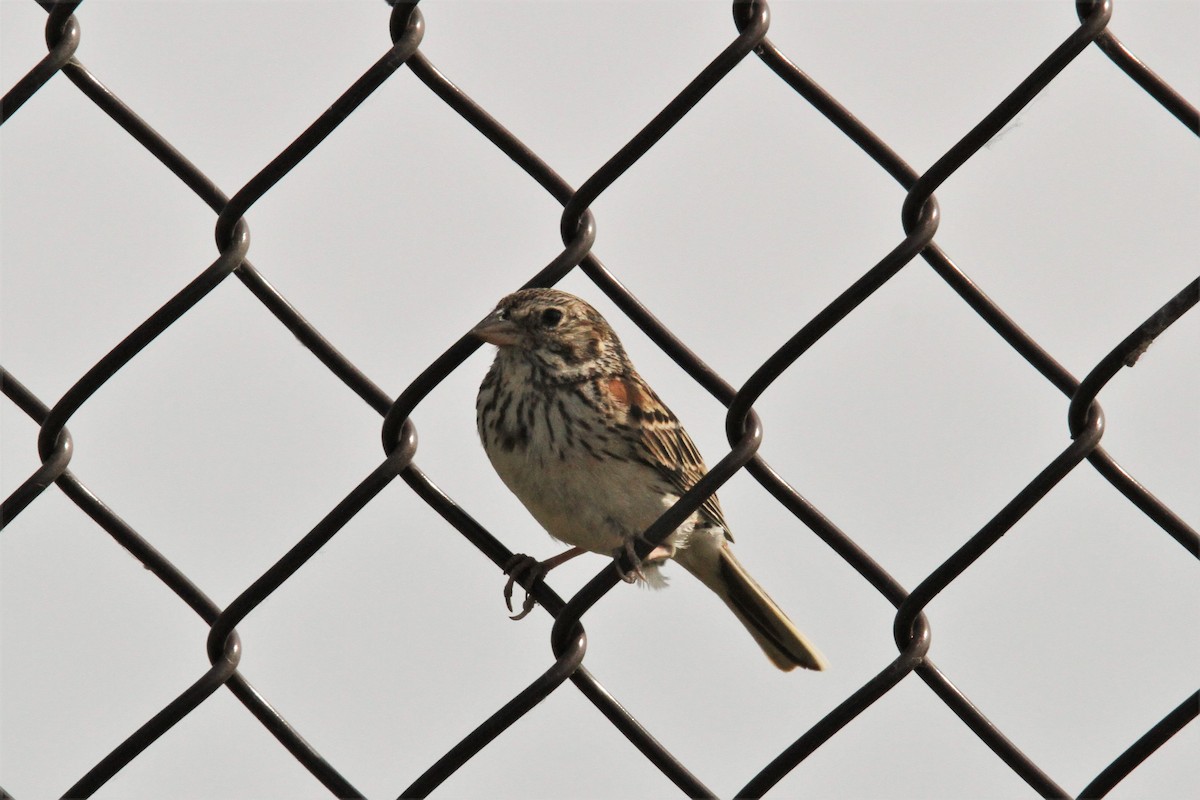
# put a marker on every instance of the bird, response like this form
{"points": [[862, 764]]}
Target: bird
{"points": [[595, 456]]}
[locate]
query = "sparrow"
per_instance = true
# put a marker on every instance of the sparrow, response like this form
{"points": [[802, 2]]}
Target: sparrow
{"points": [[591, 451]]}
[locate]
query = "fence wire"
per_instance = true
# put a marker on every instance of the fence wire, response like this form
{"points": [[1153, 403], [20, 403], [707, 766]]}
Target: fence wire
{"points": [[920, 217]]}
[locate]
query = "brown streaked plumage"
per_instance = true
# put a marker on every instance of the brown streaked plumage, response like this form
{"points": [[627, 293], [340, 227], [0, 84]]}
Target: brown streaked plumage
{"points": [[596, 457]]}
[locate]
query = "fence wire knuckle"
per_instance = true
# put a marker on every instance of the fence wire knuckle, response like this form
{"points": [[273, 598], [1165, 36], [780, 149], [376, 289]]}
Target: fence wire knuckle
{"points": [[919, 216]]}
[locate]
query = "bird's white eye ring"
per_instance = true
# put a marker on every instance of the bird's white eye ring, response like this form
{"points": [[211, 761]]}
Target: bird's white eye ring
{"points": [[551, 317]]}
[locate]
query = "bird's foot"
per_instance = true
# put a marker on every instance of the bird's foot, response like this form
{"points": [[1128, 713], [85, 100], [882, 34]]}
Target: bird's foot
{"points": [[527, 571], [629, 566]]}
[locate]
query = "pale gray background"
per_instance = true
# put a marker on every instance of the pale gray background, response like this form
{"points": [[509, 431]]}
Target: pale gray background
{"points": [[910, 425]]}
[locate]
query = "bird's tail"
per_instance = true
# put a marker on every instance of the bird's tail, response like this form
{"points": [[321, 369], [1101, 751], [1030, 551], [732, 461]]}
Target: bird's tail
{"points": [[783, 643]]}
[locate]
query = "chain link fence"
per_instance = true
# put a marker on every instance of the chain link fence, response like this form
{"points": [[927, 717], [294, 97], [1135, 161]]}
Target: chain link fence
{"points": [[920, 216]]}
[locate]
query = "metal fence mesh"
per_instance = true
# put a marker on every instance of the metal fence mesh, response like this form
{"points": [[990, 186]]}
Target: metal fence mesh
{"points": [[920, 218]]}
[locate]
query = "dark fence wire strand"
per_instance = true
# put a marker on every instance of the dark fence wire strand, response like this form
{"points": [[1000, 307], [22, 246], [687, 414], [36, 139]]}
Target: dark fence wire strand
{"points": [[920, 216]]}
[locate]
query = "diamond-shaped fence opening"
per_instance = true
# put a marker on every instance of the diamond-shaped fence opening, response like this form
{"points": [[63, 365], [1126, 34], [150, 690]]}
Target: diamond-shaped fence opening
{"points": [[887, 423]]}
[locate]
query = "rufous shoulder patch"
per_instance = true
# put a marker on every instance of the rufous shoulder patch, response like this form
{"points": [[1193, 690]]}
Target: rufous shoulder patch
{"points": [[619, 391]]}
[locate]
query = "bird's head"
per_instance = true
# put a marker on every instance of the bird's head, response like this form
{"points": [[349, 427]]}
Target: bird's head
{"points": [[555, 331]]}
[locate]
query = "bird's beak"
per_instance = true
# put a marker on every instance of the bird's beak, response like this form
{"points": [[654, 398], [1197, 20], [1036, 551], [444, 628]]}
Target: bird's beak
{"points": [[495, 330]]}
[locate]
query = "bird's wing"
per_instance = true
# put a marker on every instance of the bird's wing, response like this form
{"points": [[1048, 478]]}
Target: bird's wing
{"points": [[662, 443]]}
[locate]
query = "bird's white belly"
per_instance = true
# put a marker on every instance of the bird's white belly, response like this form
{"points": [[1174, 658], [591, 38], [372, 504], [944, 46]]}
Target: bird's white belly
{"points": [[583, 501]]}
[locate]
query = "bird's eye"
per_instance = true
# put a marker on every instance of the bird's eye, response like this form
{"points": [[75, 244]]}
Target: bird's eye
{"points": [[551, 317]]}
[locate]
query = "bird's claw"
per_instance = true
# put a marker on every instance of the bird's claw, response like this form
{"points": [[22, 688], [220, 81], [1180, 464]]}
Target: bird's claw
{"points": [[527, 571], [627, 554], [632, 557]]}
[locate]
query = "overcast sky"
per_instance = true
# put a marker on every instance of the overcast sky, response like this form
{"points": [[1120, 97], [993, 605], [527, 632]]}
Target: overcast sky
{"points": [[910, 425]]}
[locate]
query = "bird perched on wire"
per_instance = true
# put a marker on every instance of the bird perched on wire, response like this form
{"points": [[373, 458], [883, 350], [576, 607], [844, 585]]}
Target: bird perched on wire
{"points": [[596, 457]]}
